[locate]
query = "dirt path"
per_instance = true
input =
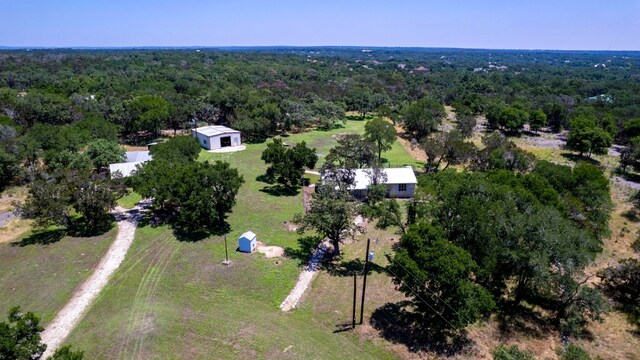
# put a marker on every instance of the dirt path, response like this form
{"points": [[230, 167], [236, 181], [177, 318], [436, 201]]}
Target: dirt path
{"points": [[66, 319], [305, 278]]}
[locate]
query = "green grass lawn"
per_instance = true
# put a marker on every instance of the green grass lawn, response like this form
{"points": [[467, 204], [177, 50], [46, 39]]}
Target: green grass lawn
{"points": [[264, 213], [323, 141], [41, 278], [173, 299], [130, 200], [256, 209], [330, 298]]}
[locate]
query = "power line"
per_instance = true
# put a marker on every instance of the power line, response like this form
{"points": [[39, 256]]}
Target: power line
{"points": [[432, 292], [439, 298], [424, 301]]}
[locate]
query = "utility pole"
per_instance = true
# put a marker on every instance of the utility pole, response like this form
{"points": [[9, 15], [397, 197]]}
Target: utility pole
{"points": [[353, 313], [226, 253], [364, 282]]}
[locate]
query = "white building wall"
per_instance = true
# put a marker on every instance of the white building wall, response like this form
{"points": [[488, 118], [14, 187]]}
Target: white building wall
{"points": [[392, 191], [202, 139], [212, 143], [215, 142], [235, 139]]}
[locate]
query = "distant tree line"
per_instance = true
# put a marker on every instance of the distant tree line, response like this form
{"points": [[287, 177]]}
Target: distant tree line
{"points": [[131, 95]]}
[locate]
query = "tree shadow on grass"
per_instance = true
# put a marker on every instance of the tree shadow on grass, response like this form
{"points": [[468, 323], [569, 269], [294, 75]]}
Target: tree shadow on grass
{"points": [[306, 247], [631, 215], [255, 141], [577, 159], [265, 179], [348, 268], [514, 318], [633, 177], [359, 117], [79, 227], [280, 190], [333, 126], [396, 324], [44, 237], [531, 133], [182, 231], [193, 235]]}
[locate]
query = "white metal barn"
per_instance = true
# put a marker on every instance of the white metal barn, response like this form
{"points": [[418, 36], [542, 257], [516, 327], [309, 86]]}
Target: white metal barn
{"points": [[216, 137]]}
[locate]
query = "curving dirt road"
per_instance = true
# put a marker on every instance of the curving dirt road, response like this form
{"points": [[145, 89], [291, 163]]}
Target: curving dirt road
{"points": [[67, 318]]}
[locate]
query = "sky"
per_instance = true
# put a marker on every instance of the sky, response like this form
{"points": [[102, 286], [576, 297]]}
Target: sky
{"points": [[492, 24]]}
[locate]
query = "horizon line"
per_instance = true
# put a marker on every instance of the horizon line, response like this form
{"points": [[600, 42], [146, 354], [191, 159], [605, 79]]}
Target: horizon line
{"points": [[363, 47]]}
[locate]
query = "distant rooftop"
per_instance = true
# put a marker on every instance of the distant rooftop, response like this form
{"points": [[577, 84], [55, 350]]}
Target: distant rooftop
{"points": [[213, 130], [136, 156]]}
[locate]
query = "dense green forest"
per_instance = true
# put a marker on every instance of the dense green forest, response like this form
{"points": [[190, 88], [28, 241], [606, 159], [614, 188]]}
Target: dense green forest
{"points": [[134, 94]]}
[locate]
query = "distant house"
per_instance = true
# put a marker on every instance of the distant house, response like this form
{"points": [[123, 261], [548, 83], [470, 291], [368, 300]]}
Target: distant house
{"points": [[132, 160], [216, 137], [602, 98], [247, 242], [400, 182]]}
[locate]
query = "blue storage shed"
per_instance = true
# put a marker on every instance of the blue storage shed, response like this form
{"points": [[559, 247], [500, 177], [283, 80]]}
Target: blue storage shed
{"points": [[247, 242]]}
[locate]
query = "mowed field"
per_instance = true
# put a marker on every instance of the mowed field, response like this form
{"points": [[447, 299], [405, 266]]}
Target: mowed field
{"points": [[41, 277], [173, 299]]}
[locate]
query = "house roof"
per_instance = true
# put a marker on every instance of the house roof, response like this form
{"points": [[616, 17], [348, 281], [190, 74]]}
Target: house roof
{"points": [[136, 156], [248, 235], [126, 169], [403, 175], [214, 130]]}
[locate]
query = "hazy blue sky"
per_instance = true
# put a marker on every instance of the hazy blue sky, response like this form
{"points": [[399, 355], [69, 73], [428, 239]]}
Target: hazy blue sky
{"points": [[521, 24]]}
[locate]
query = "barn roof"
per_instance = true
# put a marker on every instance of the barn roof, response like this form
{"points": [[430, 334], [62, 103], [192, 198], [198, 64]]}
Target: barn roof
{"points": [[214, 130]]}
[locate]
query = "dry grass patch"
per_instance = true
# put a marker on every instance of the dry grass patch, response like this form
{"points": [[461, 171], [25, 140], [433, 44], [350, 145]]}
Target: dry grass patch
{"points": [[614, 338], [624, 226], [13, 230], [10, 195]]}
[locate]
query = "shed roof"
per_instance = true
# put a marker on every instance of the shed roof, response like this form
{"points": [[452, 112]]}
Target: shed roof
{"points": [[214, 130], [135, 156], [248, 235]]}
